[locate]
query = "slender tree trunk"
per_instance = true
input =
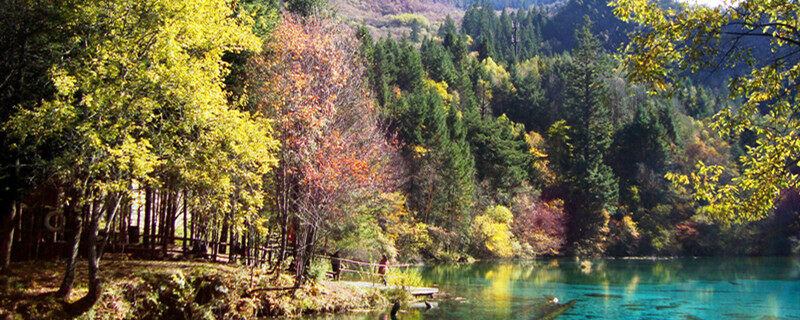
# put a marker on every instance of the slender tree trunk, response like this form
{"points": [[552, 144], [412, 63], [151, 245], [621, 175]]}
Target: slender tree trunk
{"points": [[75, 225], [232, 246], [148, 204], [185, 222], [162, 210], [123, 221], [174, 210], [193, 229], [31, 237], [283, 213], [154, 220], [283, 244], [247, 242], [216, 239], [297, 259], [223, 236], [306, 252], [95, 289], [165, 221], [7, 225]]}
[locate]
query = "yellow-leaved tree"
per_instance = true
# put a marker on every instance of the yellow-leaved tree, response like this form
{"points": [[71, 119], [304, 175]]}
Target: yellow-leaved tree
{"points": [[139, 96], [494, 232]]}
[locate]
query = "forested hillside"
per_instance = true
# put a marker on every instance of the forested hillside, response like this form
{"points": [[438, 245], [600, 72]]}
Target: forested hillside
{"points": [[557, 135]]}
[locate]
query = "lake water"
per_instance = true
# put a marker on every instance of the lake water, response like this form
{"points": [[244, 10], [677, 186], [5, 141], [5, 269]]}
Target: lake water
{"points": [[703, 288]]}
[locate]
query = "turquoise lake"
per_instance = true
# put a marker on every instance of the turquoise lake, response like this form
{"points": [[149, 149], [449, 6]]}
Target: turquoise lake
{"points": [[702, 288]]}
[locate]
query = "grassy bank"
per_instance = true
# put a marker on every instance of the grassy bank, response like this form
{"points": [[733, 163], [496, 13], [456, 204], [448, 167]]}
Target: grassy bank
{"points": [[176, 290]]}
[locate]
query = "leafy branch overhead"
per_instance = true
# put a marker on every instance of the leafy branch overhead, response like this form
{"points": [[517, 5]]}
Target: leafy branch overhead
{"points": [[690, 39]]}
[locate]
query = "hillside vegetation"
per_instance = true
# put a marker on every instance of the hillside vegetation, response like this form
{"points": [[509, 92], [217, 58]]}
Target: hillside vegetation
{"points": [[397, 17]]}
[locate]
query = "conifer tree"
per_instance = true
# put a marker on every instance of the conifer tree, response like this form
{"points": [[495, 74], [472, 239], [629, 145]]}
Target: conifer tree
{"points": [[590, 183]]}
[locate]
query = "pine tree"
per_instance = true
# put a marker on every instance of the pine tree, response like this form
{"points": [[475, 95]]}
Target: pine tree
{"points": [[501, 154], [410, 71], [438, 62], [458, 169], [591, 184], [486, 47]]}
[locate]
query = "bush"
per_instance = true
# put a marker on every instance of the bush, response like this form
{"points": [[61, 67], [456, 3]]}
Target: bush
{"points": [[318, 269], [409, 19], [405, 277], [493, 232], [623, 237], [541, 225]]}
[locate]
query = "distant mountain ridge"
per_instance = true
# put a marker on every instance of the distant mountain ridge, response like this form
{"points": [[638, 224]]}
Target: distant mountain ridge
{"points": [[559, 31], [399, 17]]}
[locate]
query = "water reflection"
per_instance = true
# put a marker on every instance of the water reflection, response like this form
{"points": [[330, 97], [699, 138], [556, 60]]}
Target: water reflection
{"points": [[498, 292], [711, 288]]}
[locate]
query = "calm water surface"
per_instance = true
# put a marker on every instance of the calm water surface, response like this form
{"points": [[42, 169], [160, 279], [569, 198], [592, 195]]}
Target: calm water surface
{"points": [[708, 288]]}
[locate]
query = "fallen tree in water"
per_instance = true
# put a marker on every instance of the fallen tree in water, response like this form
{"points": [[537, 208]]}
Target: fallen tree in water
{"points": [[546, 308]]}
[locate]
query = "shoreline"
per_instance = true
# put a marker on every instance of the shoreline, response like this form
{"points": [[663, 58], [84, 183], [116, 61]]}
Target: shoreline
{"points": [[179, 290]]}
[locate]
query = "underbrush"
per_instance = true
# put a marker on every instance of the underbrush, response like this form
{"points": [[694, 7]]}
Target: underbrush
{"points": [[185, 290]]}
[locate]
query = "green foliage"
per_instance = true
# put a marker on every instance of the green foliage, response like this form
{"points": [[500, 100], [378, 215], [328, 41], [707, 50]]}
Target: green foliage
{"points": [[318, 269], [442, 165], [410, 72], [501, 154], [608, 145], [509, 37], [438, 62], [579, 147], [305, 7], [560, 30]]}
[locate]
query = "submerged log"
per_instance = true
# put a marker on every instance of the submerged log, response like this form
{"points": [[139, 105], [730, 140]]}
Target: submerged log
{"points": [[554, 310], [548, 309]]}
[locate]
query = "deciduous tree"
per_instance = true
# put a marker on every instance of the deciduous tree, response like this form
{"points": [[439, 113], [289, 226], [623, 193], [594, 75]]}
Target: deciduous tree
{"points": [[673, 42]]}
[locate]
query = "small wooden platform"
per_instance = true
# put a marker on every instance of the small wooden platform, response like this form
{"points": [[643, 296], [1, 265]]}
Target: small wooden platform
{"points": [[414, 291]]}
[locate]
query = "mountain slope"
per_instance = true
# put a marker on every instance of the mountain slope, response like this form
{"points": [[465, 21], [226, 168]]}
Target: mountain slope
{"points": [[395, 17]]}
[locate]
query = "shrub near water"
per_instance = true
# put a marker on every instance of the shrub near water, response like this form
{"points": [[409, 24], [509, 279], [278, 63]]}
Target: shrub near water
{"points": [[405, 277], [493, 232]]}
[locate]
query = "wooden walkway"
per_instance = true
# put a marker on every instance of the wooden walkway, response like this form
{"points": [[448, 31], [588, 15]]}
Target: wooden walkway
{"points": [[414, 291]]}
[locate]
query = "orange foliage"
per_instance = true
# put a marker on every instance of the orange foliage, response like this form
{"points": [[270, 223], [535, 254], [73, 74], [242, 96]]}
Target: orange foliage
{"points": [[310, 81]]}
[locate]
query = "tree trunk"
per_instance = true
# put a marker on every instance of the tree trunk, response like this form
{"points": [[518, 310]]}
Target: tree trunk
{"points": [[185, 218], [148, 205], [166, 206], [7, 226], [75, 225], [283, 244], [95, 289], [297, 253], [310, 244], [233, 247], [223, 237]]}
